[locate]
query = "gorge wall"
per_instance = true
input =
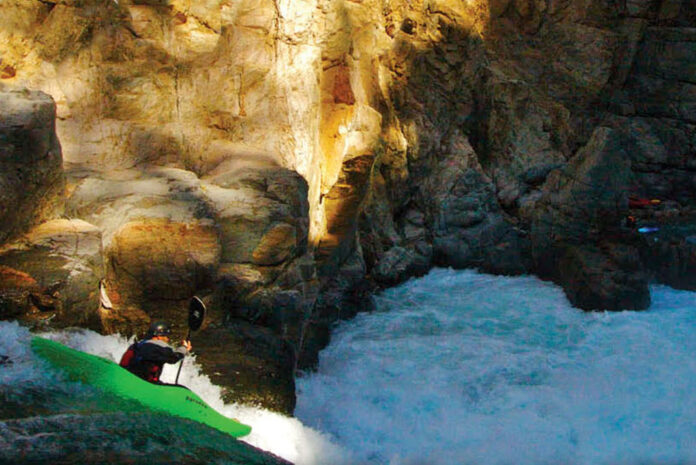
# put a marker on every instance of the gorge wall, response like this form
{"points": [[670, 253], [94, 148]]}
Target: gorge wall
{"points": [[284, 159]]}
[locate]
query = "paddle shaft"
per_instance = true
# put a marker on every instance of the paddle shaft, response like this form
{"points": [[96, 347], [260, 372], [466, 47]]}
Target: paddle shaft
{"points": [[188, 337]]}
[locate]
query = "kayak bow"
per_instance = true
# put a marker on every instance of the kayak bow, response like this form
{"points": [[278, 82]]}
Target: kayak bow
{"points": [[113, 379]]}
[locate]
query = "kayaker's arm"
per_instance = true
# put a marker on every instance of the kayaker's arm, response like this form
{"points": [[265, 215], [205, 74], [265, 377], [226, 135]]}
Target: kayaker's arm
{"points": [[160, 352]]}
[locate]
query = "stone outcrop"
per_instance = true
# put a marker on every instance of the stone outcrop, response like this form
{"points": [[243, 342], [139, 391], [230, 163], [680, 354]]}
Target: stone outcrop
{"points": [[158, 259], [237, 235], [31, 175], [576, 231], [51, 275]]}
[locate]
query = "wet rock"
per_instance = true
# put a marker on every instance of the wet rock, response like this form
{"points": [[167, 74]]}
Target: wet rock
{"points": [[399, 264], [119, 438], [255, 366], [467, 224], [31, 175], [343, 295], [670, 255], [582, 207], [605, 278]]}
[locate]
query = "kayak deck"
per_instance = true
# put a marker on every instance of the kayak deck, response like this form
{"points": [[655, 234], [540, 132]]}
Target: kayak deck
{"points": [[110, 377]]}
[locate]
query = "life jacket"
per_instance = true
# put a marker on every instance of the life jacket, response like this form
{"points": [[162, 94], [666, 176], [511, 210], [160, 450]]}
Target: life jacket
{"points": [[145, 369]]}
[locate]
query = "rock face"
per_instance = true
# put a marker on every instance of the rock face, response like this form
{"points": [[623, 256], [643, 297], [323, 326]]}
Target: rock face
{"points": [[576, 235], [31, 175], [284, 159]]}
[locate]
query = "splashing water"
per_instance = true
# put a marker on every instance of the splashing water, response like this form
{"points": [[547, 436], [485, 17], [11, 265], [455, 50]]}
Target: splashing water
{"points": [[454, 368], [460, 367], [27, 389]]}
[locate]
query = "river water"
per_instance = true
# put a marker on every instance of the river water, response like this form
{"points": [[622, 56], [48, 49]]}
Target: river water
{"points": [[466, 368], [453, 368]]}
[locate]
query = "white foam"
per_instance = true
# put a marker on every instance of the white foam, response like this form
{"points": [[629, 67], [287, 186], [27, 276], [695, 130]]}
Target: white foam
{"points": [[14, 344], [283, 436], [460, 367]]}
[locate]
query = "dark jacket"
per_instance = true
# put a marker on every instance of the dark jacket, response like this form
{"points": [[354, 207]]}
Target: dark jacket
{"points": [[147, 358]]}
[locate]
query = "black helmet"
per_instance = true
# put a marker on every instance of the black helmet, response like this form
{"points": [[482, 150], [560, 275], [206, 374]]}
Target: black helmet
{"points": [[159, 328]]}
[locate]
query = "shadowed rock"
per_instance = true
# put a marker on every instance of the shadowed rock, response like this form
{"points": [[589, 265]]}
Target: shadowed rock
{"points": [[31, 174], [60, 263], [576, 233]]}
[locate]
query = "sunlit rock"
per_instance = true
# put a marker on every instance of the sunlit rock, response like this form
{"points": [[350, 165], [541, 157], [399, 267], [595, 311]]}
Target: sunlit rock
{"points": [[258, 210], [159, 259]]}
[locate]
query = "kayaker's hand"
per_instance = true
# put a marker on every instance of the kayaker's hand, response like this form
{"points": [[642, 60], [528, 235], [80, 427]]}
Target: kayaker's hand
{"points": [[187, 345]]}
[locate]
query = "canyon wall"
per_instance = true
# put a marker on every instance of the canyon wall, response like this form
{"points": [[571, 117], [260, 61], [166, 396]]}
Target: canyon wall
{"points": [[284, 159]]}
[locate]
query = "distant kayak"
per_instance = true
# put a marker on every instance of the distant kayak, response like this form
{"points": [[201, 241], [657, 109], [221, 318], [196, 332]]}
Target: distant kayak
{"points": [[634, 202], [111, 378]]}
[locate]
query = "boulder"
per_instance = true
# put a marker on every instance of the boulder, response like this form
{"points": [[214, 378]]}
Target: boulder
{"points": [[262, 214], [157, 259], [583, 206], [609, 277], [55, 268], [31, 175]]}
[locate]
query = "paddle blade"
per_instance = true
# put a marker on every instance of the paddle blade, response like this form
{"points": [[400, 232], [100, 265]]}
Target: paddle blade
{"points": [[196, 313]]}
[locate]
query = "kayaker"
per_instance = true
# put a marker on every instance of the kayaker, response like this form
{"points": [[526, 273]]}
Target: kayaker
{"points": [[147, 357]]}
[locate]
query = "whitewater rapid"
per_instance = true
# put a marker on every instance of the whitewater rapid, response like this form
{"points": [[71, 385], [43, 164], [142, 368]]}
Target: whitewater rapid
{"points": [[29, 387], [465, 368], [453, 368]]}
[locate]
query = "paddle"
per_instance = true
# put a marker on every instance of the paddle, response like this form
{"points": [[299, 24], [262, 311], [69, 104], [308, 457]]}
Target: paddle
{"points": [[195, 320]]}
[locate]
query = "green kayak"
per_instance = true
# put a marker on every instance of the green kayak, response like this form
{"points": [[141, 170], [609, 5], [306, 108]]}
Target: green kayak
{"points": [[110, 377]]}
